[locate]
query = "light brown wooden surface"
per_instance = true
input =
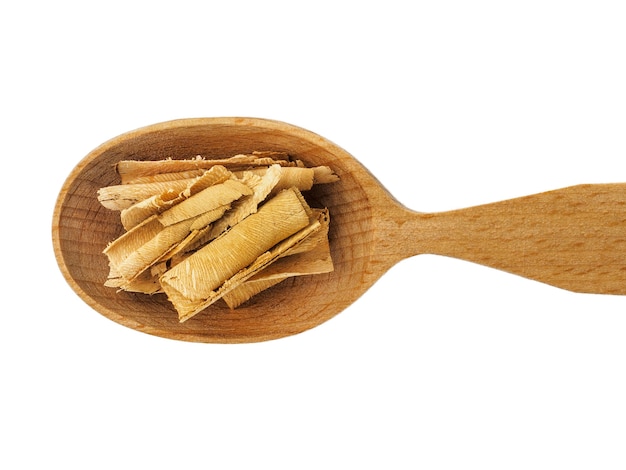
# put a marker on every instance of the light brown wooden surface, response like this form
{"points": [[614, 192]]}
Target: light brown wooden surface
{"points": [[572, 238]]}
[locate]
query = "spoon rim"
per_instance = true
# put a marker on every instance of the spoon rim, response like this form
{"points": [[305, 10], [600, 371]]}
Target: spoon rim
{"points": [[123, 318]]}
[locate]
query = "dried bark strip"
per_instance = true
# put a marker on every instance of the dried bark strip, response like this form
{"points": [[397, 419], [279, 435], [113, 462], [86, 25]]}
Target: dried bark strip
{"points": [[194, 281]]}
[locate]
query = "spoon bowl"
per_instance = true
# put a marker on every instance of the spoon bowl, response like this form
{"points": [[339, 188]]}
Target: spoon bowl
{"points": [[82, 228], [572, 238]]}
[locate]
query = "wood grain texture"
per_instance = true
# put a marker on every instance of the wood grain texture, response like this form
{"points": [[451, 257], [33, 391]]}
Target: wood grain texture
{"points": [[572, 238]]}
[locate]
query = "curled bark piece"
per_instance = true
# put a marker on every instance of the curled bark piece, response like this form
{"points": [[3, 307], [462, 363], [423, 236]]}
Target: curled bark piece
{"points": [[156, 204], [162, 177], [261, 187], [194, 281], [153, 242], [190, 308], [301, 177], [140, 211], [118, 197], [131, 171], [324, 175], [122, 196], [153, 250], [215, 175], [206, 200], [310, 256]]}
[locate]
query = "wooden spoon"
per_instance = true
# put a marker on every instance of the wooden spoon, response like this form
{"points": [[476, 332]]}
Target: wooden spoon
{"points": [[572, 238]]}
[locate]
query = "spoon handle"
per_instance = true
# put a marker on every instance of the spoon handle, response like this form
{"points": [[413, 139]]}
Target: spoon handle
{"points": [[573, 238]]}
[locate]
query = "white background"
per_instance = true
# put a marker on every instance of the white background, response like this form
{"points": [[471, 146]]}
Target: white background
{"points": [[442, 364]]}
